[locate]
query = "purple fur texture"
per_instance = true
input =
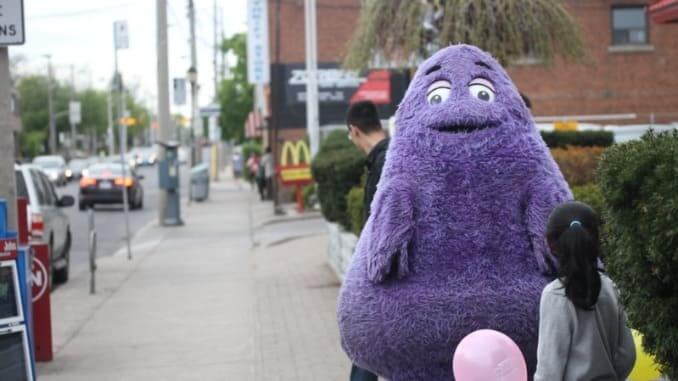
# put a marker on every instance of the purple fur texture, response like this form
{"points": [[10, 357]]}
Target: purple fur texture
{"points": [[455, 242]]}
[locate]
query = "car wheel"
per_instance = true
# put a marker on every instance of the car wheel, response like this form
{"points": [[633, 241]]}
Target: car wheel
{"points": [[82, 206], [140, 205], [61, 275]]}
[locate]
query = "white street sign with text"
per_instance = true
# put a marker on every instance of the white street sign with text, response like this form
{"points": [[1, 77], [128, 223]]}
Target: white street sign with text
{"points": [[257, 42], [12, 22]]}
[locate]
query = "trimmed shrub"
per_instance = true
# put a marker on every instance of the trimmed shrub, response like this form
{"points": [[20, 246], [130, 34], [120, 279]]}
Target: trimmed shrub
{"points": [[356, 209], [562, 139], [578, 164], [639, 183], [310, 195], [337, 168], [590, 194]]}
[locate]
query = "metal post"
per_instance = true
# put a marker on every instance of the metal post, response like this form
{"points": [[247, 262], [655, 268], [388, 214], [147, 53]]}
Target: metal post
{"points": [[312, 120], [92, 252], [50, 108], [72, 144], [122, 125], [214, 57], [195, 154], [109, 133], [163, 94], [7, 179]]}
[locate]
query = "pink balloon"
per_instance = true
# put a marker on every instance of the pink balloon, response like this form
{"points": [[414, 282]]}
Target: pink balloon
{"points": [[488, 355]]}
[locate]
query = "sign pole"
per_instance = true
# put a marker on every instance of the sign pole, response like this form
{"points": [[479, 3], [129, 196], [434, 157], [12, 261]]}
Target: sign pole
{"points": [[312, 119], [7, 180]]}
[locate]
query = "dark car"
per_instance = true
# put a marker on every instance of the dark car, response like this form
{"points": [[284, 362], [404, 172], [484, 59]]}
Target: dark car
{"points": [[105, 183]]}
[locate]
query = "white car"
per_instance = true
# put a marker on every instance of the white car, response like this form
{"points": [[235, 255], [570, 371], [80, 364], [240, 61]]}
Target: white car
{"points": [[54, 166], [46, 220]]}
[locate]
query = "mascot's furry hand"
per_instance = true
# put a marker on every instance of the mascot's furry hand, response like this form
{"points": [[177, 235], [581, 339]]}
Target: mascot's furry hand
{"points": [[455, 242], [391, 235]]}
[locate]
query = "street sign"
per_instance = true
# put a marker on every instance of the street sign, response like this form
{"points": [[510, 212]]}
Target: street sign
{"points": [[179, 91], [127, 121], [8, 248], [121, 34], [211, 110], [257, 42], [12, 22], [74, 115]]}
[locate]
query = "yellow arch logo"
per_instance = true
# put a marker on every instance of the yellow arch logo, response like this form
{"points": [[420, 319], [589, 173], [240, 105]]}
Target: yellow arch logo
{"points": [[295, 151], [298, 171]]}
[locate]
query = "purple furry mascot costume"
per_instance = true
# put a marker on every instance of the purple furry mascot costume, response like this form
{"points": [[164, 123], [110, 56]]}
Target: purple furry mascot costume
{"points": [[455, 242]]}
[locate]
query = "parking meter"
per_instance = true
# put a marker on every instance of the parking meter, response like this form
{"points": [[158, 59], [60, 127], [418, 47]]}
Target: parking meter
{"points": [[168, 176]]}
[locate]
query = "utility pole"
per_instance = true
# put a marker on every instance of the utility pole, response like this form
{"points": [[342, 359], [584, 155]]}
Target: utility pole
{"points": [[7, 179], [50, 108], [72, 145], [194, 83], [109, 133], [215, 64], [163, 94], [312, 120]]}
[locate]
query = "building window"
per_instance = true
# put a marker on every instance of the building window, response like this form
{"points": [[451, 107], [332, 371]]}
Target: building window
{"points": [[629, 25]]}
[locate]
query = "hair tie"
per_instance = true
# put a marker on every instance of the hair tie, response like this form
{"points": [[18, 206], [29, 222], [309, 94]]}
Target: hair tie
{"points": [[575, 222]]}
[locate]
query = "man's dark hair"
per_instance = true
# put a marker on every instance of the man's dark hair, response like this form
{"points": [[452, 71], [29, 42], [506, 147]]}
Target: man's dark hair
{"points": [[364, 116]]}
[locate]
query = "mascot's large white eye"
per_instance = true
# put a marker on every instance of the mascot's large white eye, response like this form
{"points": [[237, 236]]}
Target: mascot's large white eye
{"points": [[438, 92], [482, 89]]}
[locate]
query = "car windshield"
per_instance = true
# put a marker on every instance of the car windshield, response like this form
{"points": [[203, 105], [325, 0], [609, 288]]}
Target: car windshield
{"points": [[47, 164], [77, 163], [106, 171]]}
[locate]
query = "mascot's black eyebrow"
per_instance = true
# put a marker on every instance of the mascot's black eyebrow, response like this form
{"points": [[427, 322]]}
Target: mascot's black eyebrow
{"points": [[432, 69], [483, 64]]}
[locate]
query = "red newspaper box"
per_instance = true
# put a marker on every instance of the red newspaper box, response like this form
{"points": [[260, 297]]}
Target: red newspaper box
{"points": [[42, 307]]}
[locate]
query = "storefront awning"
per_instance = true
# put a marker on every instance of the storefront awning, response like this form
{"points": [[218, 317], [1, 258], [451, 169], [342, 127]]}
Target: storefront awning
{"points": [[664, 11]]}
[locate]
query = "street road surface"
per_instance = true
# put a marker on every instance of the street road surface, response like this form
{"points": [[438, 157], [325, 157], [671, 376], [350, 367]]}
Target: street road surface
{"points": [[110, 219]]}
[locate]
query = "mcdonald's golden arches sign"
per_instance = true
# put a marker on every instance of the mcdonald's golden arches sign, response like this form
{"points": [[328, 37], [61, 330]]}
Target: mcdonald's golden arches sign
{"points": [[295, 163]]}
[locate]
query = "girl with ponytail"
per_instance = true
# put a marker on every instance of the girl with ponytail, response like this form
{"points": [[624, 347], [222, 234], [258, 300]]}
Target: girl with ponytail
{"points": [[583, 333]]}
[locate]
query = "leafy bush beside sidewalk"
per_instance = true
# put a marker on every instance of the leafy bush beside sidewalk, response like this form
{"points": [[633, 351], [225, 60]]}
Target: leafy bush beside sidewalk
{"points": [[561, 139], [337, 168], [639, 183], [578, 164]]}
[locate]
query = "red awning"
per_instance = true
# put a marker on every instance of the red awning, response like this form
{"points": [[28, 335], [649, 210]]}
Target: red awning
{"points": [[664, 11]]}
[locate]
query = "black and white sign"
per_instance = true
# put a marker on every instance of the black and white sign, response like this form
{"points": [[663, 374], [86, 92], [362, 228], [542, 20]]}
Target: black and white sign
{"points": [[12, 22], [179, 91], [335, 85], [74, 116], [121, 34]]}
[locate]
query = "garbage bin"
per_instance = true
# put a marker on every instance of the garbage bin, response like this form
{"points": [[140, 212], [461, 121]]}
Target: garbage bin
{"points": [[200, 182]]}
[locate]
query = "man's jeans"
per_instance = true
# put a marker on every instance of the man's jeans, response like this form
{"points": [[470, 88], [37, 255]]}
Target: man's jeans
{"points": [[358, 374]]}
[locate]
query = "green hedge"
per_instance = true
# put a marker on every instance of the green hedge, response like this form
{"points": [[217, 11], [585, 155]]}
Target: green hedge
{"points": [[562, 139], [590, 194], [337, 168], [639, 183], [356, 208]]}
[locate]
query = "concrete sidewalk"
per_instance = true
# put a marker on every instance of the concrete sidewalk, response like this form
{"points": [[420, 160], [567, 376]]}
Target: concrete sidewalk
{"points": [[212, 300]]}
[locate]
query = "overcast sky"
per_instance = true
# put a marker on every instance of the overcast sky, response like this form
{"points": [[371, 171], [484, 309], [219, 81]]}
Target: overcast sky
{"points": [[80, 33]]}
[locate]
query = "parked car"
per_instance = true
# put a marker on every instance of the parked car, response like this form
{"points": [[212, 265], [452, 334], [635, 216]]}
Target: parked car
{"points": [[75, 167], [54, 166], [105, 183], [46, 219], [115, 159], [143, 156]]}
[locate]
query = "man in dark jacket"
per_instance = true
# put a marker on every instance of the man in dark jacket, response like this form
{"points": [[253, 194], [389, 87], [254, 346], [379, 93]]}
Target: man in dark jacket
{"points": [[364, 130]]}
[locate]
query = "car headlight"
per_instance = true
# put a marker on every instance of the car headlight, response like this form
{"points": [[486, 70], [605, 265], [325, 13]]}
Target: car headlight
{"points": [[69, 173]]}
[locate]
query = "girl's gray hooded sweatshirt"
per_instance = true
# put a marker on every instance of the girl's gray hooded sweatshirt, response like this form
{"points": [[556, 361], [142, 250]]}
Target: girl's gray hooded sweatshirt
{"points": [[577, 344]]}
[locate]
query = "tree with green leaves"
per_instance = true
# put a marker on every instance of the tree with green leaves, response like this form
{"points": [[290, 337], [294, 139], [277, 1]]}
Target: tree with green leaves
{"points": [[402, 32], [235, 93], [35, 117]]}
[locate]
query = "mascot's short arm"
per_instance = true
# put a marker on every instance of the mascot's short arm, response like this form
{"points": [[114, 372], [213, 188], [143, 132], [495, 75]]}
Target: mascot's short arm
{"points": [[391, 228], [544, 194]]}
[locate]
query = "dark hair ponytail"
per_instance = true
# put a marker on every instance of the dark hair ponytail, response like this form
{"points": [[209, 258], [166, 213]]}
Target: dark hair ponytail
{"points": [[572, 233]]}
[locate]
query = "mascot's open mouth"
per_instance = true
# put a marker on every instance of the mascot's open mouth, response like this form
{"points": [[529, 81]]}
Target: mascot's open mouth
{"points": [[463, 128]]}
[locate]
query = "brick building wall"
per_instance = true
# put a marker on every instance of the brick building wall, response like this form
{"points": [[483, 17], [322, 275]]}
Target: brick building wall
{"points": [[640, 82]]}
